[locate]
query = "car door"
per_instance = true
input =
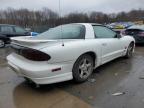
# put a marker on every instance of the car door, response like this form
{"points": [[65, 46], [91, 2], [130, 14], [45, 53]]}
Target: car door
{"points": [[111, 45]]}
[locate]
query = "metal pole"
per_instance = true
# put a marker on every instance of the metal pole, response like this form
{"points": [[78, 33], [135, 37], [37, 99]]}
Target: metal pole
{"points": [[60, 16]]}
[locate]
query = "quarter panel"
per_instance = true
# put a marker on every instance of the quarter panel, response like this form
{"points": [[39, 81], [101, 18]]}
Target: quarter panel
{"points": [[72, 50]]}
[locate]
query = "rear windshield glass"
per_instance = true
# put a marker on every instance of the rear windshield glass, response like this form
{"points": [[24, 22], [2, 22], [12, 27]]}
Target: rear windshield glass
{"points": [[69, 31]]}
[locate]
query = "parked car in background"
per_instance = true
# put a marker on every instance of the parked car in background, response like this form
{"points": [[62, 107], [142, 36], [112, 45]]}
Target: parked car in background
{"points": [[119, 27], [137, 32], [119, 31], [8, 31], [67, 52]]}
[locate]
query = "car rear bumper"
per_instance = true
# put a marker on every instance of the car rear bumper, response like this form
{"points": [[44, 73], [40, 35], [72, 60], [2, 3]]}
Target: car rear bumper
{"points": [[40, 72]]}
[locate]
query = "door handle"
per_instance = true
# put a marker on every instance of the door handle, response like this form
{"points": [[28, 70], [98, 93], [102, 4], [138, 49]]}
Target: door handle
{"points": [[104, 44]]}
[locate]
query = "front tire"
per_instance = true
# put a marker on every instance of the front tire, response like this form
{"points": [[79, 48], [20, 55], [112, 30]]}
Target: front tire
{"points": [[83, 68], [130, 48], [2, 44]]}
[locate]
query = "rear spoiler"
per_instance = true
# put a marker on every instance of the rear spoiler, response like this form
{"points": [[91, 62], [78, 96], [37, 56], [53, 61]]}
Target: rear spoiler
{"points": [[29, 41]]}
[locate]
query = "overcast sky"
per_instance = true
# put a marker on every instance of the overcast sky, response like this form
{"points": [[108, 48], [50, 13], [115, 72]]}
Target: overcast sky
{"points": [[75, 5]]}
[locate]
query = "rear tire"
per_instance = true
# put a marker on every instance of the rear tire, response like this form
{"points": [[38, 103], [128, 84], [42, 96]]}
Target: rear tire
{"points": [[83, 68], [130, 48], [2, 44]]}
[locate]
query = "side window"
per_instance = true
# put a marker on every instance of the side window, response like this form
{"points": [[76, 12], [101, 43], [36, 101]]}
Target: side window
{"points": [[19, 30], [6, 29], [103, 32]]}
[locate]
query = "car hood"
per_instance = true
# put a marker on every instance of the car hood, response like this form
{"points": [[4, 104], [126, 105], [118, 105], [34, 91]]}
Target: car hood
{"points": [[31, 42]]}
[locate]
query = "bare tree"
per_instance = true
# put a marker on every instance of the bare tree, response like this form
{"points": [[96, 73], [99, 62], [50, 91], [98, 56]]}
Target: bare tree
{"points": [[48, 18]]}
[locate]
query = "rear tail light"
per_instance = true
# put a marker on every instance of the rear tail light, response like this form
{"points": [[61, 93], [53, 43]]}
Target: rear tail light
{"points": [[141, 34], [34, 55], [31, 54]]}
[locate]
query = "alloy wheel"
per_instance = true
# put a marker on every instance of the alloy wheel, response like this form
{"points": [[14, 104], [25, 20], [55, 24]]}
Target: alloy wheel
{"points": [[130, 50], [85, 68]]}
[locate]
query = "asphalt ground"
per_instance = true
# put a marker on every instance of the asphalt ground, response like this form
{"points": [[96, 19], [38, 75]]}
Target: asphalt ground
{"points": [[117, 84]]}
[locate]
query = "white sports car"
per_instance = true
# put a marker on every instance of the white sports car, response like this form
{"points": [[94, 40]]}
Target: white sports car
{"points": [[67, 52]]}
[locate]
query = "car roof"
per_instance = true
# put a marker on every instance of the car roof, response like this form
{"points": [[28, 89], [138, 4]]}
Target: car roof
{"points": [[6, 25]]}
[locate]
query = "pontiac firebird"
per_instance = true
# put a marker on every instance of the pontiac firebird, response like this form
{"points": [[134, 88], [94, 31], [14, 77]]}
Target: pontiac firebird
{"points": [[66, 52]]}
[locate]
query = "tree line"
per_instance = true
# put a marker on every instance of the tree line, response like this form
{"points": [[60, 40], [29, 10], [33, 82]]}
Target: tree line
{"points": [[46, 17]]}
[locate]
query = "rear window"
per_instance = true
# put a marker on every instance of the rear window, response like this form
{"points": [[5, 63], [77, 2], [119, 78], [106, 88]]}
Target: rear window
{"points": [[68, 31], [6, 29]]}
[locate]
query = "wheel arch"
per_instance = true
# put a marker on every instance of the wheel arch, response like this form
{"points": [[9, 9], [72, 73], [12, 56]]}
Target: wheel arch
{"points": [[132, 42], [92, 54]]}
